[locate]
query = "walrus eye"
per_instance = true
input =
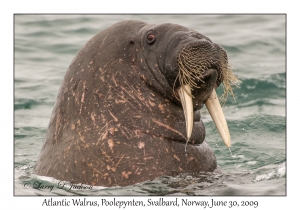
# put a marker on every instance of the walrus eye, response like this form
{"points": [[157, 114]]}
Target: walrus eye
{"points": [[150, 38]]}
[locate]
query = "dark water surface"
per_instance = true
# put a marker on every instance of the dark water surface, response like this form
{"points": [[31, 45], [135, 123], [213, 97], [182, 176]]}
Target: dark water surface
{"points": [[45, 46]]}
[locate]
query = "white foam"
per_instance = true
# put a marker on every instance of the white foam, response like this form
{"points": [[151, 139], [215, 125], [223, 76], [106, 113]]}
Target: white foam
{"points": [[277, 173], [251, 162], [238, 156], [21, 171]]}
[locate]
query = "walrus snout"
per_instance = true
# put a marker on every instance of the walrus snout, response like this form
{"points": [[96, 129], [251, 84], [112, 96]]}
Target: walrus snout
{"points": [[196, 58], [202, 66]]}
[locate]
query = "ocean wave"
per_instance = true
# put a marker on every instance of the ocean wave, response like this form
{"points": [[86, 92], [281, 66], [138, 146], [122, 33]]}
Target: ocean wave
{"points": [[276, 173]]}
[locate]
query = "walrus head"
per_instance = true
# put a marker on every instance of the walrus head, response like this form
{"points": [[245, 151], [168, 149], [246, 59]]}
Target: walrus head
{"points": [[129, 103], [194, 67]]}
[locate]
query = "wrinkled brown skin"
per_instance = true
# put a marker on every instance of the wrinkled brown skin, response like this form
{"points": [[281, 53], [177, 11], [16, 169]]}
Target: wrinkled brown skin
{"points": [[116, 121]]}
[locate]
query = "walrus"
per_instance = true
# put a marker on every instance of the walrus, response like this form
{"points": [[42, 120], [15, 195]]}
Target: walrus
{"points": [[128, 109]]}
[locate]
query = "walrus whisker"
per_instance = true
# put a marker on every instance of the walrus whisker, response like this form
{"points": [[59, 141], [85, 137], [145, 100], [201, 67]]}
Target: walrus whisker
{"points": [[192, 67]]}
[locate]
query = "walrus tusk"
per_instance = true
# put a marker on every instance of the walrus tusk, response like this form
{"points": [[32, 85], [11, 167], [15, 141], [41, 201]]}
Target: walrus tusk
{"points": [[216, 113], [185, 94], [214, 108]]}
